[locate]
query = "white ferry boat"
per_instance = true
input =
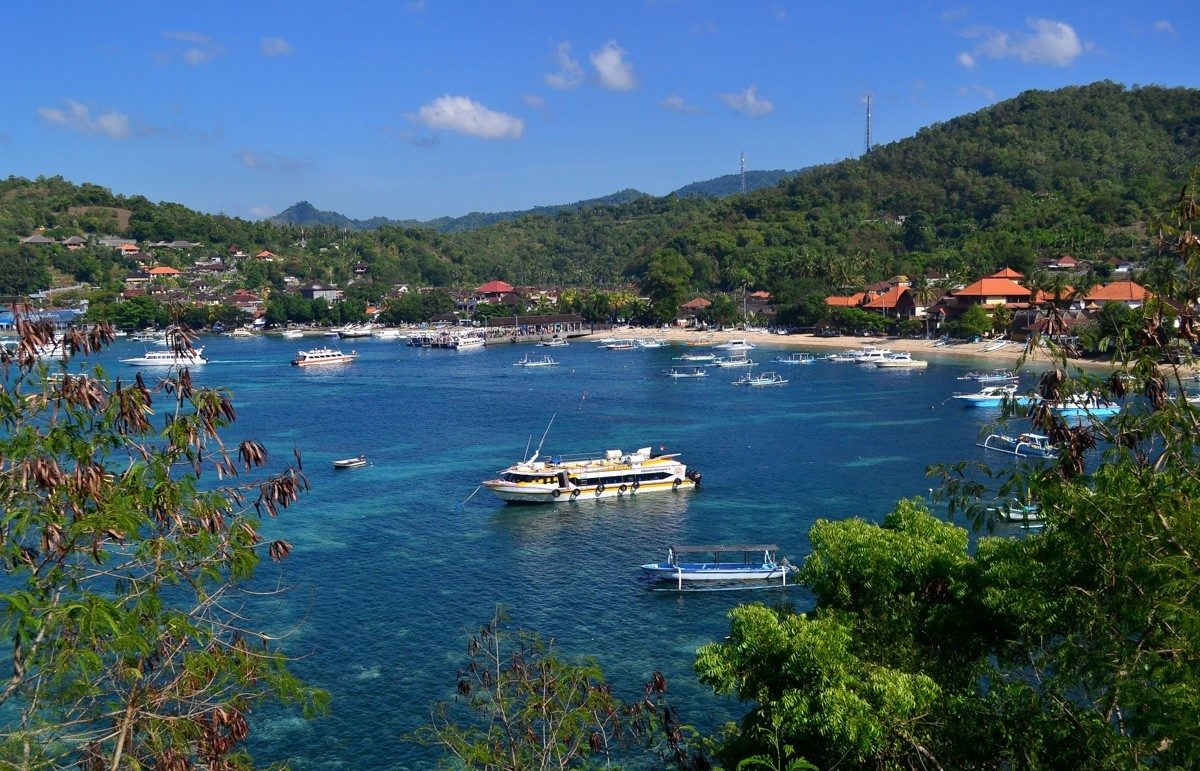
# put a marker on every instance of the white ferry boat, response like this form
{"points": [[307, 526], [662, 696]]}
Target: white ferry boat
{"points": [[322, 356], [467, 343], [168, 359], [610, 475]]}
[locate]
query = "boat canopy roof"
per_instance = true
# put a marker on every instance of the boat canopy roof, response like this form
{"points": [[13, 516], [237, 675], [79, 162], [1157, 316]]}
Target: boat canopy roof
{"points": [[725, 547]]}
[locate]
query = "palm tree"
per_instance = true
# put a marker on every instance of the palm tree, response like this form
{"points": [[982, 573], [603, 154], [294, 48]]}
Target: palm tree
{"points": [[925, 294]]}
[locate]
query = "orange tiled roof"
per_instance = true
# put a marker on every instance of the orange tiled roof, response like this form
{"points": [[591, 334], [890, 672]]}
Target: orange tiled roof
{"points": [[163, 270], [495, 287], [1044, 296], [846, 302], [696, 304], [1006, 273], [993, 287], [888, 299], [1120, 291]]}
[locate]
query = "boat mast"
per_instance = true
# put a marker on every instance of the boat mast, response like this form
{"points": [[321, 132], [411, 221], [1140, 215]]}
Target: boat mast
{"points": [[538, 451]]}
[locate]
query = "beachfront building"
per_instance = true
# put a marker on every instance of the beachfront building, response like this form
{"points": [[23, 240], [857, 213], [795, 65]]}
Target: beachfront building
{"points": [[847, 301], [1127, 293], [565, 324], [690, 310], [317, 290], [1000, 288], [493, 291], [897, 302]]}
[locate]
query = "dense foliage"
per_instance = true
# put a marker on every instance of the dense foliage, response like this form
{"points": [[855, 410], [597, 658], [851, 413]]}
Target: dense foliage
{"points": [[1079, 170]]}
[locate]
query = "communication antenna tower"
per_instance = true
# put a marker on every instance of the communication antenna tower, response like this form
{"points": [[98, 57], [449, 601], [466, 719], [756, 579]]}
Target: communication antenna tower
{"points": [[743, 172], [867, 146]]}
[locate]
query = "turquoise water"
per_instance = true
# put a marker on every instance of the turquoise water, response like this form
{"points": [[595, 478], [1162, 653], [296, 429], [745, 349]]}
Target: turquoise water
{"points": [[390, 571]]}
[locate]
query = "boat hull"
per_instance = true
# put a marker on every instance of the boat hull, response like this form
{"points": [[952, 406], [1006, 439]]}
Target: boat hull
{"points": [[699, 571], [512, 493]]}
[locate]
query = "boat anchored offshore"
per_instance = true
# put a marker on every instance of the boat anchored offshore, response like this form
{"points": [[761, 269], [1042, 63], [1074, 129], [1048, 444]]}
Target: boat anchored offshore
{"points": [[901, 360], [735, 345], [988, 396], [794, 358], [764, 379], [1027, 445], [734, 361], [545, 361], [322, 356], [188, 358], [991, 376], [612, 474], [757, 563], [1086, 405], [357, 462], [686, 372]]}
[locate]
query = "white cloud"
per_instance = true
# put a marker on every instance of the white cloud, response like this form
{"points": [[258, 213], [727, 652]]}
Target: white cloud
{"points": [[676, 103], [275, 46], [269, 161], [202, 49], [262, 212], [466, 116], [78, 117], [977, 89], [534, 101], [613, 71], [748, 103], [966, 60], [1050, 42], [1164, 27], [568, 73]]}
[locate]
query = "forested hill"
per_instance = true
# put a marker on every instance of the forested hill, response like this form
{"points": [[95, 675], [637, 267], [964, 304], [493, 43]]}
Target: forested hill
{"points": [[304, 213], [1079, 171], [731, 184]]}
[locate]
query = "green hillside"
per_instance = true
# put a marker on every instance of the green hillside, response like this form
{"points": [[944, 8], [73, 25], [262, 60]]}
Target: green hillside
{"points": [[1079, 170]]}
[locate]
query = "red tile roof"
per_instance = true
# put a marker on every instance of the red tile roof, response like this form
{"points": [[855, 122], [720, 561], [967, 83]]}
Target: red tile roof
{"points": [[1045, 296], [1006, 273], [993, 287], [163, 270], [696, 304], [1120, 291], [494, 287], [888, 299], [846, 302]]}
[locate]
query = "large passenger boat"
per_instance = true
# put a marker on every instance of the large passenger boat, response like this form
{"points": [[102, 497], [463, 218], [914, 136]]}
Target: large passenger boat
{"points": [[612, 474], [189, 358], [322, 356]]}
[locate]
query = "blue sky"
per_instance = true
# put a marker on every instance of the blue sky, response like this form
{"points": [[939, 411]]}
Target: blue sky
{"points": [[423, 108]]}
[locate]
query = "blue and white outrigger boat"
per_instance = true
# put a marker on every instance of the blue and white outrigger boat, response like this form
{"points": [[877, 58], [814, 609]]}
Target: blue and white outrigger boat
{"points": [[757, 563], [1086, 405], [991, 376], [1028, 445], [794, 358], [988, 396]]}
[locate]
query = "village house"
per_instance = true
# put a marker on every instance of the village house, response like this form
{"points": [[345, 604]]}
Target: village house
{"points": [[493, 291], [74, 243], [690, 310], [897, 302], [266, 256], [1126, 292], [163, 271], [1000, 288], [37, 239], [319, 291], [246, 301]]}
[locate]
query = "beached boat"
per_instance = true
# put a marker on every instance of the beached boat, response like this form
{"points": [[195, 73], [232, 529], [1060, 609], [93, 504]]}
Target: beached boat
{"points": [[901, 360], [356, 462], [545, 361], [756, 563], [189, 358], [794, 358], [763, 379], [699, 358], [686, 372], [322, 356], [1024, 445], [606, 475], [733, 361], [988, 396], [735, 345]]}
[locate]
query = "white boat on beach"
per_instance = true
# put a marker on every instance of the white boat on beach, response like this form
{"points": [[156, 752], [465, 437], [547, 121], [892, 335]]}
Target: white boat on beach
{"points": [[757, 563], [190, 358], [240, 332], [649, 342], [322, 356], [353, 330], [613, 473]]}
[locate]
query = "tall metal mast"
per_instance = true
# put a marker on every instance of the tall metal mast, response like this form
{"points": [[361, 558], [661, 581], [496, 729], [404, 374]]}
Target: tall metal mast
{"points": [[743, 171], [867, 146]]}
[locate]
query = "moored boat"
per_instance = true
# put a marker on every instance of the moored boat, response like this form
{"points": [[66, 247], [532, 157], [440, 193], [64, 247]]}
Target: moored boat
{"points": [[649, 342], [991, 376], [794, 358], [554, 342], [1023, 445], [1086, 405], [988, 396], [322, 356], [686, 372], [901, 360], [355, 462], [467, 343], [606, 475], [763, 379], [734, 361], [757, 562], [735, 344], [545, 361], [621, 344], [702, 358], [292, 334], [188, 358]]}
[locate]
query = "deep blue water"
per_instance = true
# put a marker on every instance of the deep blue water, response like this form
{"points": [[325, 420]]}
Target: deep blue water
{"points": [[390, 572]]}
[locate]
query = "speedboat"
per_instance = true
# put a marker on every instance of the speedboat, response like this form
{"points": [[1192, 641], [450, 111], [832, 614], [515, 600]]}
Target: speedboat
{"points": [[736, 344], [1025, 445], [590, 476], [322, 356], [361, 460], [901, 360], [794, 358], [868, 353], [764, 379], [686, 372], [988, 396], [545, 361], [734, 361], [757, 563], [189, 358]]}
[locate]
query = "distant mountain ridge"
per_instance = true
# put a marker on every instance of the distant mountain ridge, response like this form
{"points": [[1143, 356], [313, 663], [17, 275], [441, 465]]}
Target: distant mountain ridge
{"points": [[304, 213]]}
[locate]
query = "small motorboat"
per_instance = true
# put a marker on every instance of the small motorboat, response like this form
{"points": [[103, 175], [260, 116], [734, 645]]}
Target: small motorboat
{"points": [[991, 376], [734, 361], [764, 379], [361, 460], [757, 563], [1086, 405], [686, 372], [1027, 445], [701, 358], [794, 358], [901, 360], [988, 396], [1015, 511], [545, 361]]}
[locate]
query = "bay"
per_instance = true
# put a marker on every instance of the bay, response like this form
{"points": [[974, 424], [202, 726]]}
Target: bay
{"points": [[391, 570]]}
